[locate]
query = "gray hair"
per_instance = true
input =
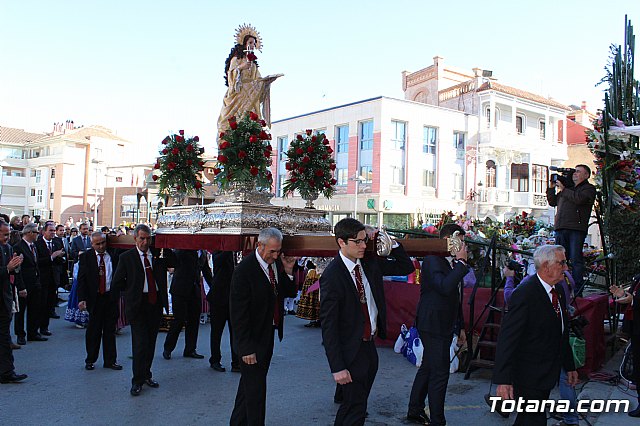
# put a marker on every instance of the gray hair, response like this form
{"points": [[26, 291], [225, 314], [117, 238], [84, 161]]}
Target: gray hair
{"points": [[546, 254], [98, 234], [30, 227], [141, 227], [269, 233]]}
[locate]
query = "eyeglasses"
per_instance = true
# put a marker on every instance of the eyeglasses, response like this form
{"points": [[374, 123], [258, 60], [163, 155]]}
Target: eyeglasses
{"points": [[359, 241]]}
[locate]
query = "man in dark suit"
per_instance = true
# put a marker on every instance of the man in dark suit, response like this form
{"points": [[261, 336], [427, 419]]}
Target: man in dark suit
{"points": [[218, 297], [50, 259], [81, 243], [9, 263], [436, 316], [186, 301], [142, 275], [258, 288], [353, 313], [63, 269], [533, 344], [31, 302], [95, 274]]}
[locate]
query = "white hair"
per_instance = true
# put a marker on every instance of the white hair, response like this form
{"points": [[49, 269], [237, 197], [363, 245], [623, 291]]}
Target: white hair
{"points": [[546, 254], [269, 233]]}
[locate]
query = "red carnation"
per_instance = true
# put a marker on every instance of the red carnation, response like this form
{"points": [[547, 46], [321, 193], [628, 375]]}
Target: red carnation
{"points": [[233, 125], [325, 142], [311, 183], [181, 132], [252, 57], [166, 140], [288, 166], [301, 169], [263, 123], [222, 159], [299, 137], [198, 185], [221, 135], [299, 151], [189, 162], [175, 151], [201, 163], [224, 145], [253, 170], [263, 135], [305, 159], [232, 120], [333, 181], [178, 187], [329, 150], [189, 148], [267, 154], [157, 166], [310, 148], [242, 154], [154, 177], [308, 132], [216, 170], [253, 139], [293, 179], [179, 139], [253, 116], [165, 151], [314, 138], [269, 147], [325, 156], [196, 138], [332, 166], [171, 165], [327, 184], [319, 172]]}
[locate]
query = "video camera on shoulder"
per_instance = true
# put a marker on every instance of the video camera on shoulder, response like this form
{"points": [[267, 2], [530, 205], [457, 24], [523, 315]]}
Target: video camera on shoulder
{"points": [[516, 267], [564, 176]]}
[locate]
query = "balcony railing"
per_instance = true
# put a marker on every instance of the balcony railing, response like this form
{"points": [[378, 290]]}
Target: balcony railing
{"points": [[495, 196]]}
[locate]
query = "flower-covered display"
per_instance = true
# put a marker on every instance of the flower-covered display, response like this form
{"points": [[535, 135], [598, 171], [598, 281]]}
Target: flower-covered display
{"points": [[244, 153], [310, 166], [178, 168]]}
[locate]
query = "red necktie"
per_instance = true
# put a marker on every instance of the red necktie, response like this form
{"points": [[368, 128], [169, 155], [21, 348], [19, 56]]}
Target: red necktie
{"points": [[151, 282], [102, 275], [554, 301], [276, 310], [366, 334]]}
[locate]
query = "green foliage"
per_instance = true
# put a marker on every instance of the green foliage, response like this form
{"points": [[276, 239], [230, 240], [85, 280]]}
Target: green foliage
{"points": [[178, 168]]}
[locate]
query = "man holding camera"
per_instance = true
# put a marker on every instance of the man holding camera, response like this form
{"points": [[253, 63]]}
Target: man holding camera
{"points": [[573, 212]]}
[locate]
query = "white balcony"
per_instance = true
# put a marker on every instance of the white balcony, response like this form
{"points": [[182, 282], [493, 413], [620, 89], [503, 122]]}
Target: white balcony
{"points": [[14, 181], [508, 197], [495, 196]]}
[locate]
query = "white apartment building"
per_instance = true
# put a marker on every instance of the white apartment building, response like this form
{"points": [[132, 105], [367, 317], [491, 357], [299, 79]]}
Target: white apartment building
{"points": [[458, 141]]}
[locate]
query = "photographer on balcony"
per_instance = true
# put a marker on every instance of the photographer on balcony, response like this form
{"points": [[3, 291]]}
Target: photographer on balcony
{"points": [[573, 196]]}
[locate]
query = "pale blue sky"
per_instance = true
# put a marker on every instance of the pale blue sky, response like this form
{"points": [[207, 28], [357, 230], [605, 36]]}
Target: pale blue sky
{"points": [[147, 67]]}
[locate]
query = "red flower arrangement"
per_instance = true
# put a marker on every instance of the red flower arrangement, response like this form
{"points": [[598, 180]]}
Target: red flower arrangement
{"points": [[244, 153], [178, 168], [310, 166]]}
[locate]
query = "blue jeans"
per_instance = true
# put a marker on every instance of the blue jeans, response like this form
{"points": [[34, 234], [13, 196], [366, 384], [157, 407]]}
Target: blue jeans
{"points": [[572, 241], [569, 393]]}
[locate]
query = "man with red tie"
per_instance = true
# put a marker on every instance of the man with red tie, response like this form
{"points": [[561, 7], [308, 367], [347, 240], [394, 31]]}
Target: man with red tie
{"points": [[142, 275], [95, 274], [258, 288]]}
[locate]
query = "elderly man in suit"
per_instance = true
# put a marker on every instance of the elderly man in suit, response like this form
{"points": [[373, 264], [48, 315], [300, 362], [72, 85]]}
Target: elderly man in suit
{"points": [[437, 313], [31, 302], [186, 301], [353, 312], [533, 344], [142, 275], [9, 263], [258, 288], [50, 260], [95, 274]]}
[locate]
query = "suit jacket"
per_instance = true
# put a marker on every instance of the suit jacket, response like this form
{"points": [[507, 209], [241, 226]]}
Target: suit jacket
{"points": [[341, 316], [88, 278], [223, 266], [129, 277], [439, 308], [77, 246], [29, 271], [531, 346], [63, 266], [186, 277], [6, 289], [49, 269], [252, 304]]}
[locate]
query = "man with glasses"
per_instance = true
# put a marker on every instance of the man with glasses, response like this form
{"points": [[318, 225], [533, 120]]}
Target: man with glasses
{"points": [[353, 313]]}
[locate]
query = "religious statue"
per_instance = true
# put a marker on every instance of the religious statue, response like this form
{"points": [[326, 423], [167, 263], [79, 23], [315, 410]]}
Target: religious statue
{"points": [[247, 90]]}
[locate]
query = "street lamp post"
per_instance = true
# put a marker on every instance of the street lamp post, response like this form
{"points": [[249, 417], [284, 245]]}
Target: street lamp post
{"points": [[357, 179], [95, 193]]}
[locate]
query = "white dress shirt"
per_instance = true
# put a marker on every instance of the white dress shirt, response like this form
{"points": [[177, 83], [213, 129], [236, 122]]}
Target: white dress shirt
{"points": [[548, 288], [108, 269], [371, 303], [145, 288]]}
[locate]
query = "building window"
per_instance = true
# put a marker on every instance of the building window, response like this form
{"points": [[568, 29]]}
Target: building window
{"points": [[366, 173], [342, 176], [39, 196], [540, 176], [429, 178], [458, 186], [398, 134], [490, 175], [543, 129], [429, 139], [33, 192], [366, 135], [458, 140], [520, 124], [520, 177], [38, 175], [17, 173], [342, 138], [397, 175], [282, 147], [53, 173]]}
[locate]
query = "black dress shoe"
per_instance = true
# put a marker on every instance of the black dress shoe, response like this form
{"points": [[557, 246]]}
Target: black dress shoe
{"points": [[21, 341], [151, 383], [37, 338], [218, 367], [166, 354], [54, 315], [136, 389], [89, 366], [114, 366], [45, 332], [15, 347], [12, 377], [498, 405], [634, 413], [193, 354], [420, 418]]}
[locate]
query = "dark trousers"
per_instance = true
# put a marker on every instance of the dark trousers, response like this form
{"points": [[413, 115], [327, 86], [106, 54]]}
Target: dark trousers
{"points": [[220, 317], [186, 311], [530, 419], [572, 241], [250, 405], [363, 372], [6, 354], [144, 332], [31, 306], [102, 327], [432, 378], [45, 308]]}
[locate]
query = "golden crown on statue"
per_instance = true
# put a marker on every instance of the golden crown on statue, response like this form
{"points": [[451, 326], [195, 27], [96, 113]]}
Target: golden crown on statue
{"points": [[248, 29]]}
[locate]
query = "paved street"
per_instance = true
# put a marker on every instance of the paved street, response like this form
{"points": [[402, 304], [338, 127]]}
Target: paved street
{"points": [[300, 389]]}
